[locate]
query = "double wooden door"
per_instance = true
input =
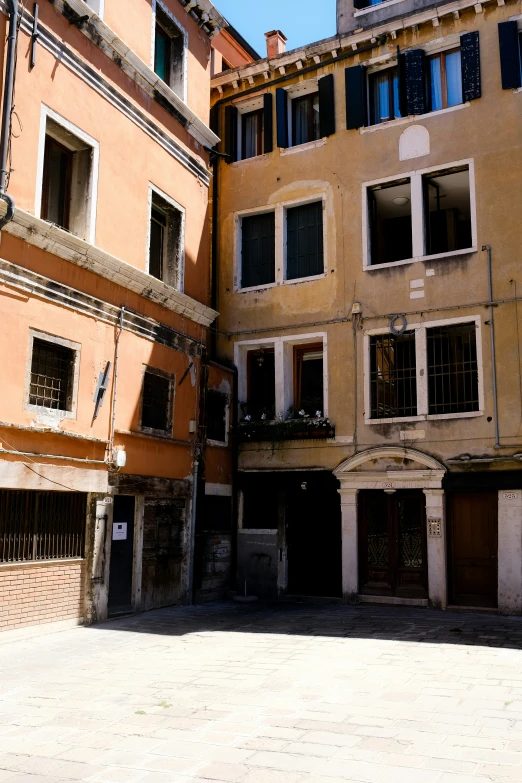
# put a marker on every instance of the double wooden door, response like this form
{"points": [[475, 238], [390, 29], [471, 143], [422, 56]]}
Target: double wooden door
{"points": [[392, 543], [473, 548]]}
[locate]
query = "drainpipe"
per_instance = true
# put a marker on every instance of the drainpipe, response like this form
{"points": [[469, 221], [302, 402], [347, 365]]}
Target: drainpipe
{"points": [[487, 248], [192, 546], [6, 111], [110, 456]]}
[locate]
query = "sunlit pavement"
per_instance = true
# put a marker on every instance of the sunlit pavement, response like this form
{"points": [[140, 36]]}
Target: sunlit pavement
{"points": [[291, 693]]}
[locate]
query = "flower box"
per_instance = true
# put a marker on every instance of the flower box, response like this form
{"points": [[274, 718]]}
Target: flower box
{"points": [[290, 429]]}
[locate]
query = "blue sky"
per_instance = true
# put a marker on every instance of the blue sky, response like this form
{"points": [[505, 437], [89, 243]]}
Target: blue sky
{"points": [[299, 20]]}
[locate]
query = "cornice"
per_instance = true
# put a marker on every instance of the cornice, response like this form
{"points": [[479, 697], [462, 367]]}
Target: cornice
{"points": [[55, 240]]}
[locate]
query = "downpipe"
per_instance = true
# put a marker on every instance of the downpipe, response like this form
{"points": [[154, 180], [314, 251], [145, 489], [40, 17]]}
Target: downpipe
{"points": [[6, 111], [487, 248]]}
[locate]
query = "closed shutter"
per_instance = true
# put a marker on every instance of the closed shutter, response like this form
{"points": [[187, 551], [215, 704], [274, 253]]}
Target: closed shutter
{"points": [[327, 105], [214, 119], [355, 83], [304, 238], [508, 39], [282, 117], [258, 250], [231, 133], [412, 73], [470, 64], [268, 112]]}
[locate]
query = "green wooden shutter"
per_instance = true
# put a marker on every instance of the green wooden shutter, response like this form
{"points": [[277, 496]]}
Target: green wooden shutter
{"points": [[327, 105], [231, 133], [508, 39], [470, 65], [282, 117], [258, 250], [355, 84], [304, 241], [268, 119]]}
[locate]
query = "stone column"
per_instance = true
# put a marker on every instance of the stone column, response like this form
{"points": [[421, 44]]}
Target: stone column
{"points": [[510, 551], [350, 548], [436, 536]]}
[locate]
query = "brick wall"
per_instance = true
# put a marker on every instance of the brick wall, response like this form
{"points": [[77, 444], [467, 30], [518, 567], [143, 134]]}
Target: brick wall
{"points": [[35, 593]]}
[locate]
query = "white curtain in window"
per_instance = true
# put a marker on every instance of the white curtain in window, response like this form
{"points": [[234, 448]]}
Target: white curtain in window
{"points": [[381, 97]]}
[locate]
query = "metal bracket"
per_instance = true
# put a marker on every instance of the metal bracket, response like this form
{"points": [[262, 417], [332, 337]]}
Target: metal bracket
{"points": [[34, 37], [101, 388]]}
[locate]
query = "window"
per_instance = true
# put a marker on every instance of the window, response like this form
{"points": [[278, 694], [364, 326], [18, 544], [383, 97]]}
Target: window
{"points": [[425, 214], [257, 250], [305, 119], [166, 241], [97, 6], [510, 45], [169, 52], [41, 525], [384, 96], [252, 134], [309, 379], [304, 241], [52, 376], [156, 411], [69, 168], [426, 371], [452, 369], [389, 207], [393, 374], [217, 409], [261, 384], [445, 80]]}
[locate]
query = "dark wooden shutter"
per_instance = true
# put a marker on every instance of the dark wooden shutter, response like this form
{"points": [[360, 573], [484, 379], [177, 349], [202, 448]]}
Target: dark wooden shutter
{"points": [[214, 119], [327, 105], [401, 81], [258, 250], [282, 117], [268, 112], [358, 4], [304, 241], [355, 83], [412, 71], [508, 40], [231, 133], [470, 64]]}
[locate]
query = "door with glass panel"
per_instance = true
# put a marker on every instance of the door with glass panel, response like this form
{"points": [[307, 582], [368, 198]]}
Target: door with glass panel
{"points": [[392, 544]]}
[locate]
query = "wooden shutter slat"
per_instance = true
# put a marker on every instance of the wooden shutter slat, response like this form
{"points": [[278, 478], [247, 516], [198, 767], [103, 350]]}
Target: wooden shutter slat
{"points": [[327, 105], [282, 117], [470, 65], [268, 113], [231, 133], [305, 253], [413, 72], [258, 250], [355, 87], [509, 55]]}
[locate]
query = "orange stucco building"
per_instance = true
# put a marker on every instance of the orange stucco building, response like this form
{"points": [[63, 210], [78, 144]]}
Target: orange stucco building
{"points": [[114, 424]]}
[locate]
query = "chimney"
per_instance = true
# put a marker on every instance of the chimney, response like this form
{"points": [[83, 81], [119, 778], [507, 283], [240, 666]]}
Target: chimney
{"points": [[275, 43]]}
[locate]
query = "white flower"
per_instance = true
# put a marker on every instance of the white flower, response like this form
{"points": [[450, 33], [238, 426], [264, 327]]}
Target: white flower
{"points": [[263, 417], [248, 418], [318, 414], [302, 413]]}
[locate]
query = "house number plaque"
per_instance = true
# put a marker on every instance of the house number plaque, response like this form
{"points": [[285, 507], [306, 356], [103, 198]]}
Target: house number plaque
{"points": [[434, 528]]}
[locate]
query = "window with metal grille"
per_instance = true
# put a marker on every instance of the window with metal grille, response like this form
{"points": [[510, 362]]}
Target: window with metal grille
{"points": [[156, 406], [304, 241], [393, 376], [258, 250], [217, 415], [452, 369], [52, 370], [41, 525]]}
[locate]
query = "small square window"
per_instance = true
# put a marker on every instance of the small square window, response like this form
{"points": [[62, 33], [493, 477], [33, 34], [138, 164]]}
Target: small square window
{"points": [[305, 119], [156, 412], [217, 404], [169, 52], [166, 242], [389, 208], [257, 250], [52, 375], [304, 241]]}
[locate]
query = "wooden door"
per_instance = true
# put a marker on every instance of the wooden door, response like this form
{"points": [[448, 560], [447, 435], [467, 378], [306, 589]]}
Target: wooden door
{"points": [[473, 548]]}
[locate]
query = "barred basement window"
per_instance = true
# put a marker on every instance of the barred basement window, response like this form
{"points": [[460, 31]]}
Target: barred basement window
{"points": [[217, 403], [156, 412], [452, 369], [41, 525], [52, 375], [393, 376]]}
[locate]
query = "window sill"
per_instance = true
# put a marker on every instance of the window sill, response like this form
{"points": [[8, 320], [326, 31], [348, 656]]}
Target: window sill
{"points": [[385, 4], [427, 417], [305, 279], [439, 256], [42, 563], [411, 118], [256, 531], [154, 435], [310, 145], [253, 289], [237, 163], [54, 413], [222, 444]]}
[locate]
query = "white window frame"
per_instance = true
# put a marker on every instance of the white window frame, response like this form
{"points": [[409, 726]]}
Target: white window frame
{"points": [[245, 107], [279, 208], [55, 413], [98, 6], [183, 30], [297, 91], [422, 371], [284, 367], [417, 216], [222, 443], [48, 113], [173, 203]]}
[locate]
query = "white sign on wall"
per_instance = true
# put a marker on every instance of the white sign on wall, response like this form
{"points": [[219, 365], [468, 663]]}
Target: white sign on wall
{"points": [[119, 531]]}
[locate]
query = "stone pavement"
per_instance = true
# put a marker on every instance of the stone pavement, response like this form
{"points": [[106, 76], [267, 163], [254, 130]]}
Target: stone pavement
{"points": [[293, 693]]}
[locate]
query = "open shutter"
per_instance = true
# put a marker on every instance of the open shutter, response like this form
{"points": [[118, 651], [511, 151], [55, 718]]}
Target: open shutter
{"points": [[282, 117], [401, 81], [470, 64], [413, 78], [231, 133], [355, 83], [214, 119], [327, 105], [358, 4], [508, 40], [268, 112]]}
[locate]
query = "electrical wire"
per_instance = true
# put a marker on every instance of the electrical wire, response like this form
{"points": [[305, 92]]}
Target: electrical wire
{"points": [[13, 112], [15, 451]]}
